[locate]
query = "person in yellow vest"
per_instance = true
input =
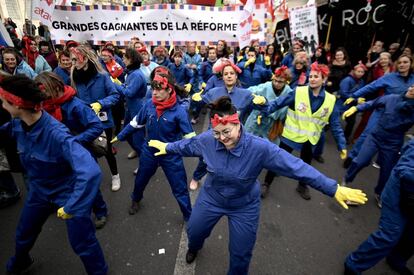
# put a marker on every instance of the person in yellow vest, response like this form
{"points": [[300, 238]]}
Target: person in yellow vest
{"points": [[310, 109]]}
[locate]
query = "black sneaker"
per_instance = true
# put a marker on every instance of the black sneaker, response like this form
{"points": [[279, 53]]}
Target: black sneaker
{"points": [[347, 162], [14, 267], [134, 208], [190, 256], [400, 270], [319, 159], [303, 192], [100, 222], [264, 190]]}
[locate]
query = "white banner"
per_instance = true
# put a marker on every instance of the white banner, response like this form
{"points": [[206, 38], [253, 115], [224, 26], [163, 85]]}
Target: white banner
{"points": [[156, 24], [245, 25], [42, 10], [304, 26]]}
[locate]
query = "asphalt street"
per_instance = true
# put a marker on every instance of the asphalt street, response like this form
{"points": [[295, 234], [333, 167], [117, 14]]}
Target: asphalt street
{"points": [[295, 236]]}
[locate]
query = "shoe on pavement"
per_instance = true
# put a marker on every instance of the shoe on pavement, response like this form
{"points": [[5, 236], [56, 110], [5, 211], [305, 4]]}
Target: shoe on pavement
{"points": [[133, 154], [319, 159], [376, 165], [7, 198], [13, 267], [116, 183], [303, 192], [100, 222], [264, 190], [136, 171], [194, 184], [378, 200], [400, 270], [133, 209], [347, 162], [190, 256]]}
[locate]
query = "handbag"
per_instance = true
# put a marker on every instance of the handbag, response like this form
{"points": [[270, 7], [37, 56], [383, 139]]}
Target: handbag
{"points": [[276, 130], [99, 147]]}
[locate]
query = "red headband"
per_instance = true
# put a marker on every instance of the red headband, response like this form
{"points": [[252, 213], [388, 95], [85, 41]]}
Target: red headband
{"points": [[143, 49], [360, 65], [18, 101], [162, 80], [161, 70], [223, 65], [281, 70], [78, 54], [216, 120], [320, 68]]}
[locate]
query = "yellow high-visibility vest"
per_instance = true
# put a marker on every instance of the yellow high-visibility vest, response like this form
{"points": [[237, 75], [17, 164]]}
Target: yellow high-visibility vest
{"points": [[301, 124]]}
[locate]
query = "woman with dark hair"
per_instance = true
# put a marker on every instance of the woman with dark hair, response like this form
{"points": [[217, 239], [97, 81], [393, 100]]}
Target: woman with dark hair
{"points": [[64, 106], [339, 69], [65, 66], [164, 119], [134, 90], [13, 63], [51, 156], [235, 159], [320, 56], [222, 49], [95, 87], [48, 54], [272, 57]]}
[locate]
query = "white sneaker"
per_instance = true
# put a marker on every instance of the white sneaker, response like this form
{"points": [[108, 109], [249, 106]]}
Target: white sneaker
{"points": [[133, 154], [116, 183]]}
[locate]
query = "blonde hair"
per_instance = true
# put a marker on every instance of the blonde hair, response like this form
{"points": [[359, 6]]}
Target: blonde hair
{"points": [[91, 56], [52, 83]]}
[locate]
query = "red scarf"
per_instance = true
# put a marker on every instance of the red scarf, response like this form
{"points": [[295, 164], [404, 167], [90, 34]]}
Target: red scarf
{"points": [[161, 106], [30, 56], [114, 68], [52, 106]]}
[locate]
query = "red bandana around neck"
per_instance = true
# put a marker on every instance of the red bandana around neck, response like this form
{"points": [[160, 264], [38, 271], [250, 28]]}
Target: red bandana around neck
{"points": [[216, 119], [18, 101], [53, 106], [161, 106]]}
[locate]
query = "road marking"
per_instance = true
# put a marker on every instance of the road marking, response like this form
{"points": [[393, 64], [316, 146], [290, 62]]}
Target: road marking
{"points": [[181, 266]]}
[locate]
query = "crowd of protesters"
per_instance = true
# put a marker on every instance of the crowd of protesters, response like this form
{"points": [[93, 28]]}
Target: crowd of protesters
{"points": [[68, 104]]}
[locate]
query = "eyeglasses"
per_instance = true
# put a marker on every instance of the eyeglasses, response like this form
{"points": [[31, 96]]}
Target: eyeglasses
{"points": [[226, 133]]}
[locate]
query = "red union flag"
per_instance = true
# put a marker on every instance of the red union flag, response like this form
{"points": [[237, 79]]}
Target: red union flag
{"points": [[245, 25], [42, 10]]}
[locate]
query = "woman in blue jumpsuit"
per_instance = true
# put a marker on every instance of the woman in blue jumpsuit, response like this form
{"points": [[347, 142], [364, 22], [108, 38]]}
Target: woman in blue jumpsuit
{"points": [[51, 157], [95, 87], [79, 118], [394, 238], [164, 119], [234, 160], [134, 90], [241, 98], [392, 83], [386, 138]]}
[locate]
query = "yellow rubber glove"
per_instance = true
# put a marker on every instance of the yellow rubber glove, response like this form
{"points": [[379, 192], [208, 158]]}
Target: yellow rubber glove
{"points": [[259, 119], [267, 60], [197, 96], [116, 81], [250, 61], [259, 99], [239, 58], [203, 85], [96, 107], [115, 139], [361, 100], [158, 145], [62, 214], [349, 100], [343, 154], [187, 87], [349, 112], [344, 194]]}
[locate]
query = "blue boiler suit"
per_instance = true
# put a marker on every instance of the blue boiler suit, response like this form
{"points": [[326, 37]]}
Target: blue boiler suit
{"points": [[253, 77], [386, 138], [86, 126], [134, 91], [231, 188], [395, 235], [65, 75], [171, 126], [61, 173], [392, 83], [241, 98], [213, 82], [182, 74]]}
